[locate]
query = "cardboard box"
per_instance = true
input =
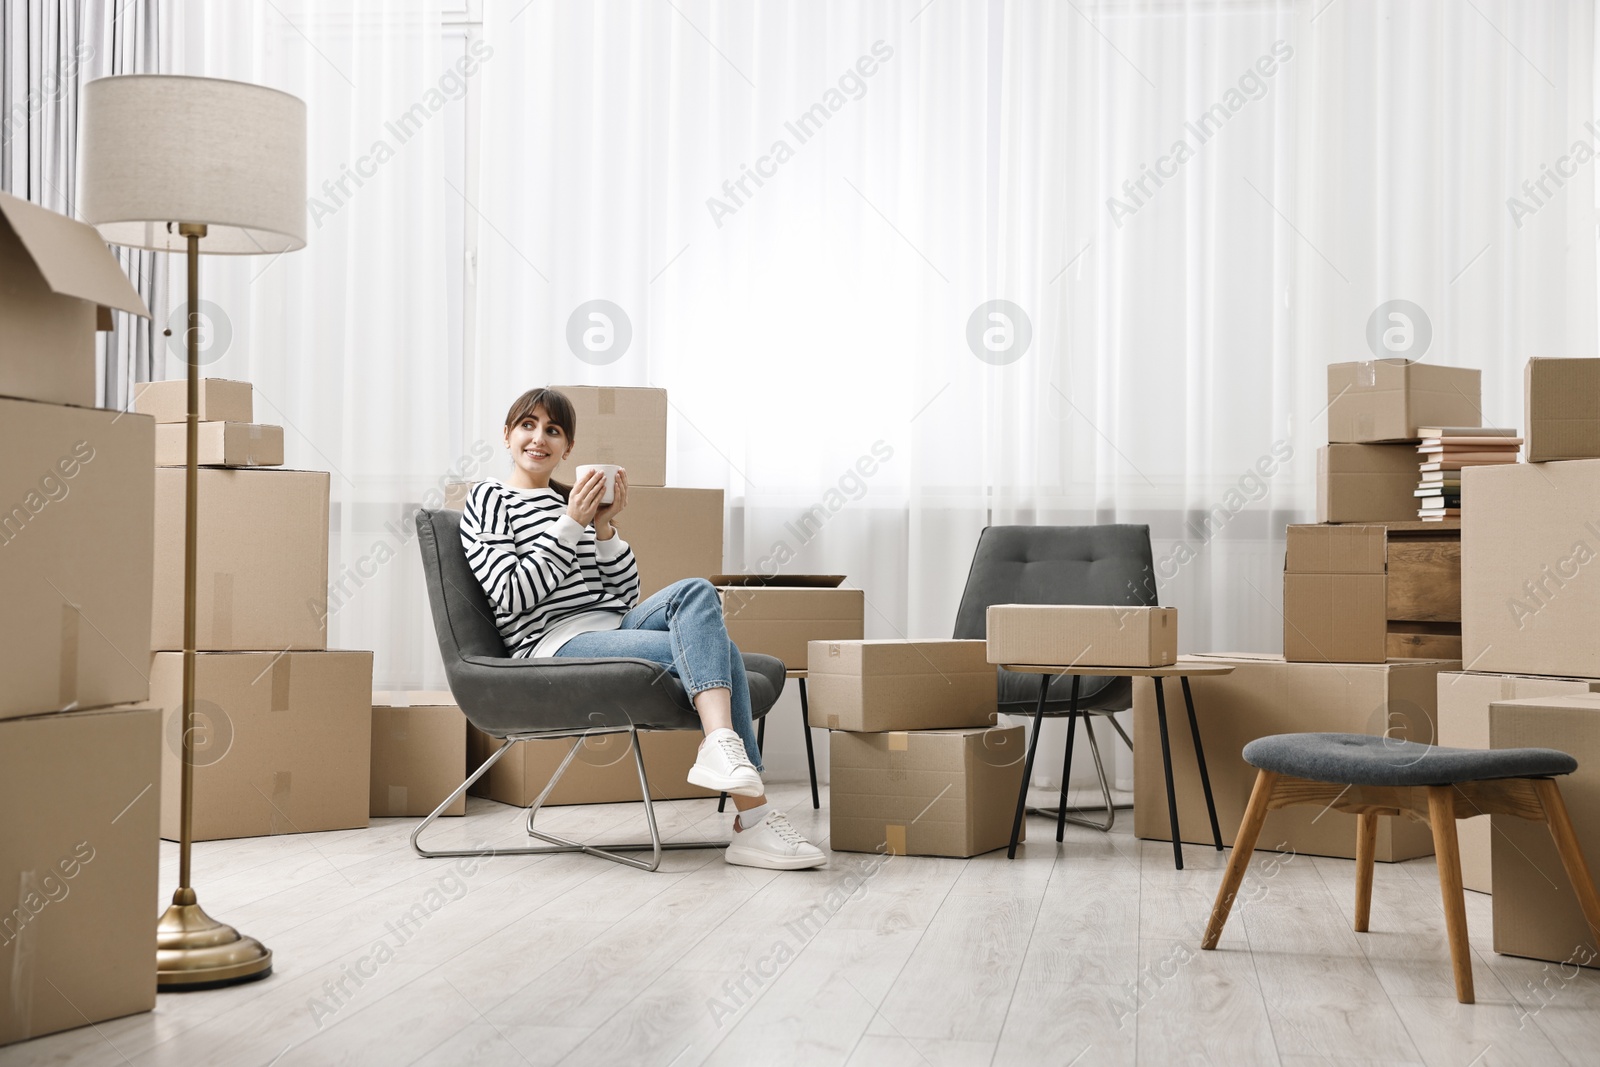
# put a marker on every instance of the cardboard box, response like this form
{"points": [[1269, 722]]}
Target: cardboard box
{"points": [[1335, 595], [480, 746], [1266, 695], [1530, 568], [283, 741], [221, 444], [78, 870], [674, 534], [76, 542], [1067, 634], [1562, 409], [603, 772], [781, 622], [1536, 913], [1391, 399], [925, 793], [627, 427], [1366, 483], [262, 571], [1464, 699], [868, 686], [1320, 549], [221, 400], [58, 284], [419, 744]]}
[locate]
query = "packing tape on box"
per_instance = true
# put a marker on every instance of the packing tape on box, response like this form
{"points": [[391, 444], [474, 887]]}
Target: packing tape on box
{"points": [[221, 611], [1365, 426], [832, 721], [894, 840], [899, 740], [67, 681], [282, 794], [400, 724], [397, 800], [24, 953], [1367, 374], [280, 684], [608, 400]]}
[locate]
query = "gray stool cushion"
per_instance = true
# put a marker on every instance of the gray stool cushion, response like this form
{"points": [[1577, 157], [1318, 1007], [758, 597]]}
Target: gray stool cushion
{"points": [[1360, 759]]}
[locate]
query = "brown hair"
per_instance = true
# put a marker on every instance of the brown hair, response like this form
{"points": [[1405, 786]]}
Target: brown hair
{"points": [[559, 410]]}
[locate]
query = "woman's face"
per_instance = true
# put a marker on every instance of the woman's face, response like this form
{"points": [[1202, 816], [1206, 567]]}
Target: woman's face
{"points": [[537, 445]]}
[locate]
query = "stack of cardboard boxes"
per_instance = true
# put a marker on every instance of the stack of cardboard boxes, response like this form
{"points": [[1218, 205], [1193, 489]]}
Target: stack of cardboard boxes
{"points": [[282, 723], [79, 758], [1371, 613], [1531, 639], [917, 765], [674, 533]]}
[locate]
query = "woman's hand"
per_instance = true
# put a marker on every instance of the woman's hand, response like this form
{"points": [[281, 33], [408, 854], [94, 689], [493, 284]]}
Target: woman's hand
{"points": [[619, 500], [584, 500]]}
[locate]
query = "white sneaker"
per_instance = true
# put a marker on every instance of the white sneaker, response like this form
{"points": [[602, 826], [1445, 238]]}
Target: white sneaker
{"points": [[774, 844], [723, 765]]}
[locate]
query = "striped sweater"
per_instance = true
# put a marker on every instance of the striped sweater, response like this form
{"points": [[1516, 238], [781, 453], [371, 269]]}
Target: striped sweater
{"points": [[547, 577]]}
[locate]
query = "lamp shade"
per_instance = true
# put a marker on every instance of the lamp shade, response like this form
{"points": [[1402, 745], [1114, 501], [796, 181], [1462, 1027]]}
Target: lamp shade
{"points": [[155, 150]]}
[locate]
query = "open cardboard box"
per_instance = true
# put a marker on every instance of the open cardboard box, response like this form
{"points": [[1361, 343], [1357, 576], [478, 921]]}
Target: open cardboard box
{"points": [[58, 285]]}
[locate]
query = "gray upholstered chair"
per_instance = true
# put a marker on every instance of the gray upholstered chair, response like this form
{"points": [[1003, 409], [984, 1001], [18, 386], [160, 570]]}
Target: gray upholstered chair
{"points": [[532, 699], [1108, 564]]}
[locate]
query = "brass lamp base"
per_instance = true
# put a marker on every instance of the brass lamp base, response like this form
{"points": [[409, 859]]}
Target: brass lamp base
{"points": [[194, 951]]}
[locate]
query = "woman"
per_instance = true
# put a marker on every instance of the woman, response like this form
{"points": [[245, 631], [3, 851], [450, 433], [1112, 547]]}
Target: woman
{"points": [[564, 583]]}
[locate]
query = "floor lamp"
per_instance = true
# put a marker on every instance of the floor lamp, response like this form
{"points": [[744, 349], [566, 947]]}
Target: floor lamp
{"points": [[202, 166]]}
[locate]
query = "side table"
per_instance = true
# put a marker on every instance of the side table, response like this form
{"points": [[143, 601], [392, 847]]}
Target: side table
{"points": [[1183, 670]]}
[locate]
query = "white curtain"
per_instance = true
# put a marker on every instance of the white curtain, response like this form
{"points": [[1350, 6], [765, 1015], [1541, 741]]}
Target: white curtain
{"points": [[1196, 207], [1179, 304]]}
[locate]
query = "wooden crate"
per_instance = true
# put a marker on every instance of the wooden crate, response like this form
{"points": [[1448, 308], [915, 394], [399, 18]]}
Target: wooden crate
{"points": [[1423, 589]]}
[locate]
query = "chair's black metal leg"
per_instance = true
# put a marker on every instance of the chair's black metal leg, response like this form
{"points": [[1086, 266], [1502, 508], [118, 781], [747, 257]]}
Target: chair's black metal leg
{"points": [[811, 759], [1066, 763], [1027, 769], [1166, 763], [1200, 758]]}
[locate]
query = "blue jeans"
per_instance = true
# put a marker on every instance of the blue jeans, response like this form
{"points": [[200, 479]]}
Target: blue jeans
{"points": [[681, 628]]}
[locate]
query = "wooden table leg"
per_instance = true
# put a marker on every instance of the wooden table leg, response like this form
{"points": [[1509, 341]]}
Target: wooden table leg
{"points": [[1366, 849], [811, 759], [1027, 769], [1166, 764], [1442, 817], [1255, 813], [1066, 763], [1200, 758]]}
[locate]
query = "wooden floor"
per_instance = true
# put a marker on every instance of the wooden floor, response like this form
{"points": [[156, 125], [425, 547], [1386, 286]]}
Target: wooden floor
{"points": [[1082, 954]]}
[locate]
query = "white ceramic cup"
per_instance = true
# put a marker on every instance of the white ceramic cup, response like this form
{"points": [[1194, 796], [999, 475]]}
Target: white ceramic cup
{"points": [[609, 470]]}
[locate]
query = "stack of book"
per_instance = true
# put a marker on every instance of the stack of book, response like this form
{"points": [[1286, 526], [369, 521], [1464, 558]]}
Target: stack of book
{"points": [[1447, 449]]}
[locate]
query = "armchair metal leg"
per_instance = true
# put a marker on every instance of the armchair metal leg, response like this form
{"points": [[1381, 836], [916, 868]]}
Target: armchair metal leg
{"points": [[655, 846]]}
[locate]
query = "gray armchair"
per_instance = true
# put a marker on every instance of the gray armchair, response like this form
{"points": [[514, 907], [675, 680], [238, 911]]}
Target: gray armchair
{"points": [[1108, 564], [532, 699]]}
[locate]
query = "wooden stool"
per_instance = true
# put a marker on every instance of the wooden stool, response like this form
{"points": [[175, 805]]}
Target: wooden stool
{"points": [[1372, 776]]}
